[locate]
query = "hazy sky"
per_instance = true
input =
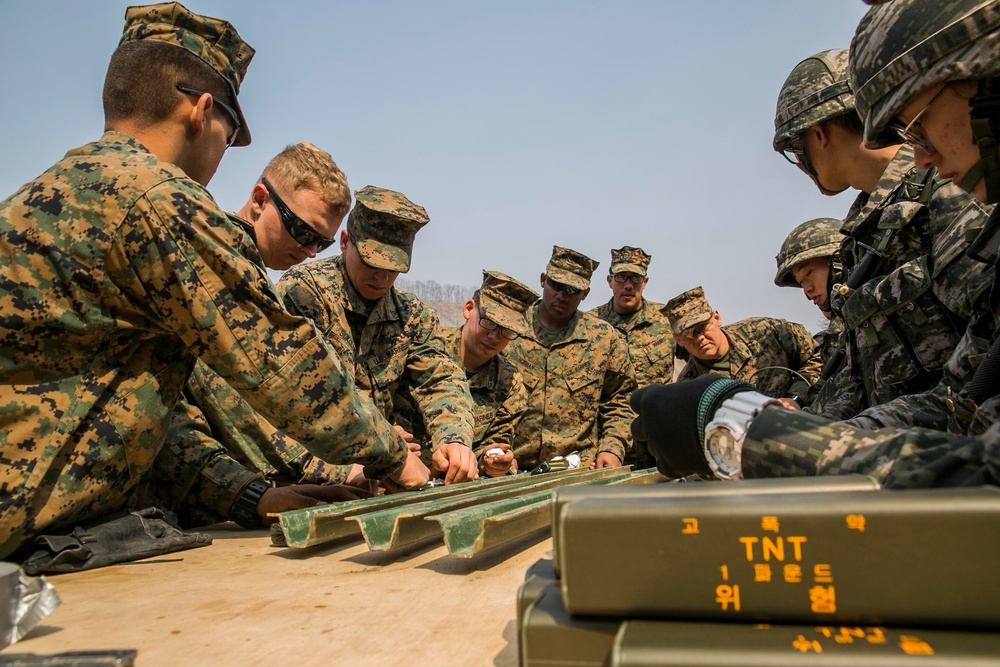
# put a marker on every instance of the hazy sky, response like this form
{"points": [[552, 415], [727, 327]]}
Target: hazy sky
{"points": [[517, 125]]}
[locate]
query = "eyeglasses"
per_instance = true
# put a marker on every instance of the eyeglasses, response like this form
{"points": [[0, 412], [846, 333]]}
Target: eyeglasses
{"points": [[564, 289], [233, 117], [907, 134], [490, 325], [622, 278], [697, 331], [795, 152], [300, 230]]}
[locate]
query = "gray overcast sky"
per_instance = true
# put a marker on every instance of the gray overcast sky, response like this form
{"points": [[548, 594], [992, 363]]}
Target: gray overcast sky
{"points": [[516, 124]]}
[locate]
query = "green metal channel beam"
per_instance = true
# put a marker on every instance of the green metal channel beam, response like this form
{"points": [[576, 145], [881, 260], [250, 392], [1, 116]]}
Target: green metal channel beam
{"points": [[470, 531], [317, 525], [396, 527]]}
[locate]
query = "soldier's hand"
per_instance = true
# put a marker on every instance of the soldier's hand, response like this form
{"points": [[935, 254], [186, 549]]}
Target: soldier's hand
{"points": [[789, 403], [413, 475], [456, 461], [357, 478], [668, 421], [497, 465], [605, 460], [284, 498]]}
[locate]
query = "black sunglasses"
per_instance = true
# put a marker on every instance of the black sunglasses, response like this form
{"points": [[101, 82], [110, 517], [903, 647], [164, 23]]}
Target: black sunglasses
{"points": [[297, 228], [565, 289], [188, 90]]}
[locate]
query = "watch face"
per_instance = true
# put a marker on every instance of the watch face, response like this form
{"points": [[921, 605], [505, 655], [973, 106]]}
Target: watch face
{"points": [[723, 453]]}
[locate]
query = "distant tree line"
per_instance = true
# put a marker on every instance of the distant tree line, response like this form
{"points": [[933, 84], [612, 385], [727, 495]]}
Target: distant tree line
{"points": [[430, 290]]}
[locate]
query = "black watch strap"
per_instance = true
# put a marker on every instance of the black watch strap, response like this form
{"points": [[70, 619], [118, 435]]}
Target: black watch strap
{"points": [[244, 510]]}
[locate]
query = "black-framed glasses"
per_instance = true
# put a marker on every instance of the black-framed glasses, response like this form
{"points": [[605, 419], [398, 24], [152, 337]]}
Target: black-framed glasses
{"points": [[490, 325], [632, 279], [560, 287], [233, 116], [906, 132], [795, 152], [300, 230]]}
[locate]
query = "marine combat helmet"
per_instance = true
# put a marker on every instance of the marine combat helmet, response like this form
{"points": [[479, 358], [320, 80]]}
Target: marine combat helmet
{"points": [[819, 237], [904, 47], [816, 91]]}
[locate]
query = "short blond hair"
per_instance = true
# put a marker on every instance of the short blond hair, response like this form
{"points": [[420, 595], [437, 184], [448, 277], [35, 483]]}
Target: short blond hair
{"points": [[306, 166]]}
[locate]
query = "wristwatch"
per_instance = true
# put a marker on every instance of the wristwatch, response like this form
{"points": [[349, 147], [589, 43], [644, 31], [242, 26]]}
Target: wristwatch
{"points": [[724, 435], [244, 510]]}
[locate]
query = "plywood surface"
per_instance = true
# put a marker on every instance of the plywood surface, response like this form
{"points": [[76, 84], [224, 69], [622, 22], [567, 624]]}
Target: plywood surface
{"points": [[241, 601]]}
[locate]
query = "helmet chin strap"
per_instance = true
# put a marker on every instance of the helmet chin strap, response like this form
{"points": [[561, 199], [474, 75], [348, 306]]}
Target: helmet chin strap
{"points": [[806, 166], [985, 118]]}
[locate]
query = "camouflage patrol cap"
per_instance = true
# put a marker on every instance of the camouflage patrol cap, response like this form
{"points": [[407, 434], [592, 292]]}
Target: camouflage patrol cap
{"points": [[212, 40], [382, 226], [505, 301], [687, 310], [816, 90], [904, 47], [819, 237], [630, 260], [570, 267]]}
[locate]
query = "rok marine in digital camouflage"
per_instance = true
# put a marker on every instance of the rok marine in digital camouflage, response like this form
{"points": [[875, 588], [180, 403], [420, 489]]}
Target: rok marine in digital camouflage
{"points": [[389, 338], [779, 357], [904, 300], [646, 330], [807, 259], [943, 70], [121, 271], [494, 316], [954, 74], [577, 372], [218, 448]]}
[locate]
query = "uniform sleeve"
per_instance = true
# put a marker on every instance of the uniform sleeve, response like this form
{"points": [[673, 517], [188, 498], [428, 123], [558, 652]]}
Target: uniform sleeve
{"points": [[839, 398], [789, 443], [176, 254], [806, 356], [193, 474], [614, 416], [437, 384], [501, 429]]}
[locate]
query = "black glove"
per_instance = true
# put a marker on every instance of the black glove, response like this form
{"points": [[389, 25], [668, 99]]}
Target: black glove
{"points": [[672, 417], [116, 538]]}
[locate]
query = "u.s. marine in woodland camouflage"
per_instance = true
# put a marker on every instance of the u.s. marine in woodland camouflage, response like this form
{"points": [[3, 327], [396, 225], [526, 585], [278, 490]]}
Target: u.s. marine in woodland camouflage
{"points": [[577, 372], [494, 316], [390, 339], [904, 299], [120, 271], [646, 329], [779, 357]]}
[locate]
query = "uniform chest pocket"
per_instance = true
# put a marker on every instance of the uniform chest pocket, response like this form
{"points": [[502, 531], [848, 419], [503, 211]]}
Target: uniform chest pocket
{"points": [[906, 297], [882, 357], [582, 386]]}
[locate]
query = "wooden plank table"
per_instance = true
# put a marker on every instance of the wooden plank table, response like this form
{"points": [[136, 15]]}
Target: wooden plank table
{"points": [[242, 601]]}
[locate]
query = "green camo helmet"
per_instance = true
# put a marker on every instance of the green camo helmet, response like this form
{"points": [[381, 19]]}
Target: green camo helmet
{"points": [[820, 237], [905, 47], [816, 91]]}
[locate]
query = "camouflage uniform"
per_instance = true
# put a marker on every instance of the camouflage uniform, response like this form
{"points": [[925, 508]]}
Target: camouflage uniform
{"points": [[762, 350], [647, 332], [901, 49], [498, 398], [498, 394], [904, 319], [578, 380], [120, 272], [395, 342]]}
